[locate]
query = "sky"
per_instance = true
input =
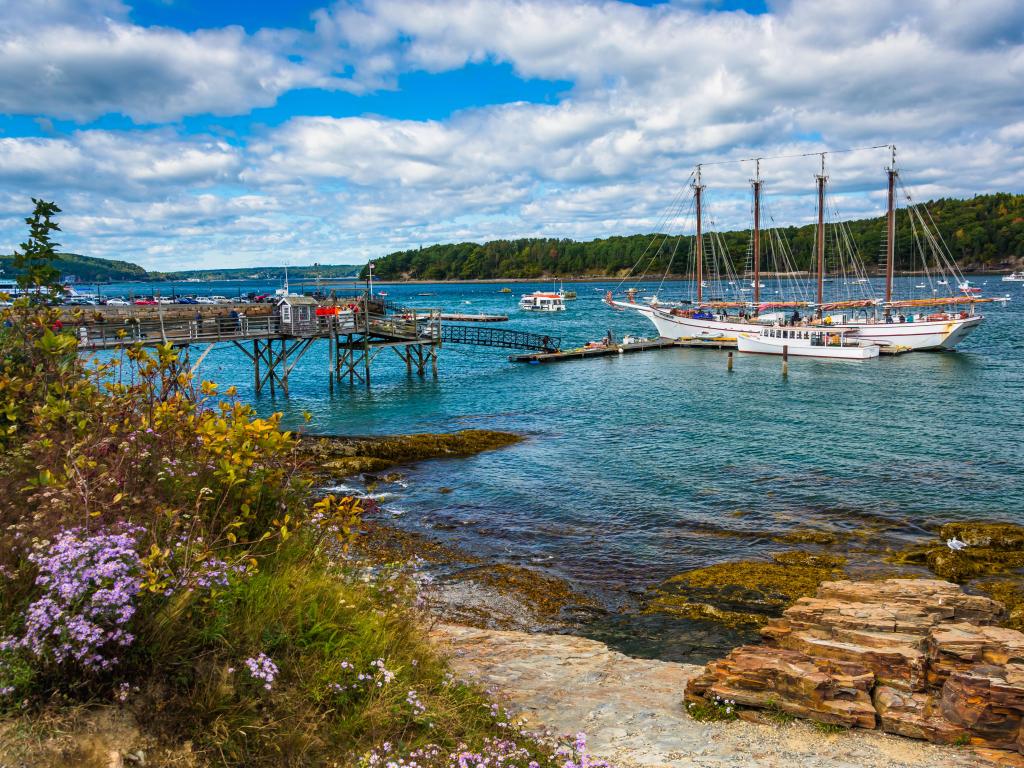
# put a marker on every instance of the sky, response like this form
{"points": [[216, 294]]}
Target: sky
{"points": [[185, 134]]}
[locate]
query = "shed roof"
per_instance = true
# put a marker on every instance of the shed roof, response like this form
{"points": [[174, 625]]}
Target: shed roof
{"points": [[293, 301]]}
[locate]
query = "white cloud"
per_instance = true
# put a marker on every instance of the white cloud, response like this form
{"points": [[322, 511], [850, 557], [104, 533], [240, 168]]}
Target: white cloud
{"points": [[654, 90]]}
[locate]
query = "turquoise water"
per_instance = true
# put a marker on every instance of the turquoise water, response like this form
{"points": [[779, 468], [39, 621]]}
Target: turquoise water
{"points": [[638, 467]]}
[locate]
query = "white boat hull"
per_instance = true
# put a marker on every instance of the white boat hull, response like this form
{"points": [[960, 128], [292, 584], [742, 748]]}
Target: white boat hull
{"points": [[919, 336], [930, 334], [757, 344]]}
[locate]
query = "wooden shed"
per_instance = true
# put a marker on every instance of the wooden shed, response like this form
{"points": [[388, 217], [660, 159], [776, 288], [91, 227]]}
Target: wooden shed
{"points": [[297, 314]]}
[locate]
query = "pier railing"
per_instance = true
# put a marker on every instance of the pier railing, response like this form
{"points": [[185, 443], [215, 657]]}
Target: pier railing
{"points": [[107, 335], [499, 337]]}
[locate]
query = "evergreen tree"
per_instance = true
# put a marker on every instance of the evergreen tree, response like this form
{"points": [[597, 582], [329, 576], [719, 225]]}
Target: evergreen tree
{"points": [[35, 260]]}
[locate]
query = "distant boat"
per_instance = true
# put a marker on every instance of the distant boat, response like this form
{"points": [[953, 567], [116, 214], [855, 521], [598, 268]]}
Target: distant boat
{"points": [[505, 290], [1014, 277], [966, 287], [542, 301], [920, 285], [424, 294]]}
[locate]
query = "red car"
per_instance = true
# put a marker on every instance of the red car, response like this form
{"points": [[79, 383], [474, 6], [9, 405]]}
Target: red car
{"points": [[145, 302]]}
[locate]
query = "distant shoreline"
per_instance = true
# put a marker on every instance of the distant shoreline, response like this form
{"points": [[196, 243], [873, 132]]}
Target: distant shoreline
{"points": [[613, 278]]}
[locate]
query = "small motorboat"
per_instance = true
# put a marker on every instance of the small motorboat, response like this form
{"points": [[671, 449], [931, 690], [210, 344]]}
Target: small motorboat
{"points": [[543, 301], [966, 287], [1014, 277], [806, 342]]}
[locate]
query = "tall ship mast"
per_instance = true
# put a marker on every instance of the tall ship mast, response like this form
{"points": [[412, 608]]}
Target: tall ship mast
{"points": [[716, 311]]}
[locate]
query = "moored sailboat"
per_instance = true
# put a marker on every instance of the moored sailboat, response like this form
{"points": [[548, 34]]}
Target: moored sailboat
{"points": [[874, 319]]}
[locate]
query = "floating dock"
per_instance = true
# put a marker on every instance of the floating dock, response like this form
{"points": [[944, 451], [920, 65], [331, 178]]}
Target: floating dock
{"points": [[582, 353], [622, 349]]}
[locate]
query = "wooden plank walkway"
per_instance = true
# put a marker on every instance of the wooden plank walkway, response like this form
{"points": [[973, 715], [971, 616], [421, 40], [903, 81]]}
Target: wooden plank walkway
{"points": [[721, 343]]}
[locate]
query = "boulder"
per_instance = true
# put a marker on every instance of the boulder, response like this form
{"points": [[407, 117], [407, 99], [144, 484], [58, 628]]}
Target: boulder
{"points": [[897, 664], [838, 614], [913, 714], [819, 689], [988, 701], [941, 599], [958, 647]]}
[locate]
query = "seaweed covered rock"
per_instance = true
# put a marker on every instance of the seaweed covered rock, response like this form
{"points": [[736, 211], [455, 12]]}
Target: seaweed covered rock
{"points": [[345, 456], [745, 592], [968, 550]]}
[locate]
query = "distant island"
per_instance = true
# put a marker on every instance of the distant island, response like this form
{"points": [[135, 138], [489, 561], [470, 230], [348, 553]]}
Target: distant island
{"points": [[89, 269], [985, 232]]}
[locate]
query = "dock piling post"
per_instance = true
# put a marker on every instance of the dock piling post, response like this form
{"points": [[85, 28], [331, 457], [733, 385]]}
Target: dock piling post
{"points": [[730, 361], [785, 361]]}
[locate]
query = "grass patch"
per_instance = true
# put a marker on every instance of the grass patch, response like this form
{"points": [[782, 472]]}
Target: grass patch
{"points": [[828, 728], [776, 714], [716, 710], [355, 670]]}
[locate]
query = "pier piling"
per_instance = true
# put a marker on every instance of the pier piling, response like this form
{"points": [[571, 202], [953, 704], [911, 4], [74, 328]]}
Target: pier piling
{"points": [[785, 361], [730, 361]]}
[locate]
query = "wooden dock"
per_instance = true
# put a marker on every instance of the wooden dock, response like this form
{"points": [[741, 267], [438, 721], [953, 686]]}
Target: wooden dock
{"points": [[582, 353]]}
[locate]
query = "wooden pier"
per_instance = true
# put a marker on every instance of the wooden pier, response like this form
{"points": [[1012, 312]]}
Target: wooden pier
{"points": [[276, 339], [275, 346], [582, 353]]}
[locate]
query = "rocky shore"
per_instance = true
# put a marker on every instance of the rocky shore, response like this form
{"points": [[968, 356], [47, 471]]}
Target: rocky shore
{"points": [[846, 669], [633, 714]]}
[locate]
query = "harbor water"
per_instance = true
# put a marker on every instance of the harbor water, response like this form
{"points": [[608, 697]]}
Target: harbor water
{"points": [[641, 466]]}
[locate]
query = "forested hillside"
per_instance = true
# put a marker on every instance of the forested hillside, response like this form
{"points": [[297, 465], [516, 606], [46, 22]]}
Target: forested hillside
{"points": [[986, 231], [86, 268]]}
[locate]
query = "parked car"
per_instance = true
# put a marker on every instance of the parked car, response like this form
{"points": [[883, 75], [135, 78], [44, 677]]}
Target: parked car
{"points": [[145, 302], [187, 300], [205, 300], [165, 300], [117, 303], [79, 301], [221, 299]]}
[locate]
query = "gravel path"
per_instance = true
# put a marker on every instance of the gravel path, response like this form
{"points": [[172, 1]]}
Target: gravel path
{"points": [[631, 710]]}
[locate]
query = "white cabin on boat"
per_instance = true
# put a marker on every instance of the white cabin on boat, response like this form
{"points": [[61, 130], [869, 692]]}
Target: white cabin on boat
{"points": [[806, 342]]}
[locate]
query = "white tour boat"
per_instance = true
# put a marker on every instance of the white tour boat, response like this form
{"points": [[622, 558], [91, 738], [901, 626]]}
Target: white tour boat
{"points": [[543, 301], [1014, 277], [805, 342]]}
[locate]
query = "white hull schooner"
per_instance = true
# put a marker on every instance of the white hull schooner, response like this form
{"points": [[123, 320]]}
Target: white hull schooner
{"points": [[931, 323]]}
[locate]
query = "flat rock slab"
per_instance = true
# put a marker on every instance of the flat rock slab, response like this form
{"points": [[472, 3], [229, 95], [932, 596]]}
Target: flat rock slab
{"points": [[632, 710]]}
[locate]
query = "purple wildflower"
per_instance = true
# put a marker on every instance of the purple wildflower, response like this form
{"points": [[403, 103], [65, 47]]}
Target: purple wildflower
{"points": [[262, 668], [89, 584]]}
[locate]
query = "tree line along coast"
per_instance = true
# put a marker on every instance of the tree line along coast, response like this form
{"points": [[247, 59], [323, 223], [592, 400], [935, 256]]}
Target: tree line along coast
{"points": [[984, 233]]}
